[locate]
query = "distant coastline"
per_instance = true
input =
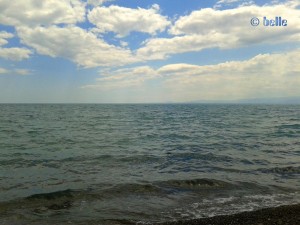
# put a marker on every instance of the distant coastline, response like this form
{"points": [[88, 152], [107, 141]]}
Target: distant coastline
{"points": [[279, 101], [271, 101]]}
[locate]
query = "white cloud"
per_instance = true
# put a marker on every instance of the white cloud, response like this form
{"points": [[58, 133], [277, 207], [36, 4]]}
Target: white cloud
{"points": [[3, 36], [39, 26], [265, 75], [180, 68], [39, 12], [160, 48], [15, 54], [263, 65], [22, 72], [125, 20], [75, 44], [207, 28], [234, 21]]}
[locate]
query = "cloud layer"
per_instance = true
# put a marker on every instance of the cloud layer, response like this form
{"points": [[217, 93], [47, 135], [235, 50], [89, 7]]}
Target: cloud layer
{"points": [[37, 12], [53, 28], [123, 20], [267, 75], [75, 44], [138, 50], [231, 28]]}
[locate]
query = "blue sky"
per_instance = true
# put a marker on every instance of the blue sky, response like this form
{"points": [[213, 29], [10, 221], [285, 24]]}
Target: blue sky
{"points": [[132, 51]]}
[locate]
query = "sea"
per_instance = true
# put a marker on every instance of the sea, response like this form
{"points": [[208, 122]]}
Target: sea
{"points": [[145, 163]]}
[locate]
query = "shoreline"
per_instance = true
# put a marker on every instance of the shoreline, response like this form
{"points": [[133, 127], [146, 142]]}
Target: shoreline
{"points": [[282, 215]]}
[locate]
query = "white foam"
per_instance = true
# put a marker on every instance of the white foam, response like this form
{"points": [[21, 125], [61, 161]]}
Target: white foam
{"points": [[235, 204]]}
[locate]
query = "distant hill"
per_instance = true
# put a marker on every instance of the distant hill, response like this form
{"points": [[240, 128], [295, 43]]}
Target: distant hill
{"points": [[283, 100]]}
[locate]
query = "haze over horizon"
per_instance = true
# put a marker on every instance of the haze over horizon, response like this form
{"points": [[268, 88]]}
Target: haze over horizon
{"points": [[118, 51]]}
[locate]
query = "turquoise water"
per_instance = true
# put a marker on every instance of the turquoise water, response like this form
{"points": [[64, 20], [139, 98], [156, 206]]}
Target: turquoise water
{"points": [[122, 164]]}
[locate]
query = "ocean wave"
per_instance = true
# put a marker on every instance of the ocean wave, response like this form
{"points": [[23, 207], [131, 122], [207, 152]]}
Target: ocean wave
{"points": [[282, 170], [295, 126], [52, 195], [195, 184], [106, 191]]}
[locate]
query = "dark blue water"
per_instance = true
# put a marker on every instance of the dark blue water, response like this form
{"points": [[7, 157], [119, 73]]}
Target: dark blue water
{"points": [[120, 164]]}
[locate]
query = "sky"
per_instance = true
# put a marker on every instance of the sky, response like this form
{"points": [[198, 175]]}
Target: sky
{"points": [[148, 51]]}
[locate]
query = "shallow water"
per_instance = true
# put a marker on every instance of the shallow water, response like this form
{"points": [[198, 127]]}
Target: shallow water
{"points": [[117, 164]]}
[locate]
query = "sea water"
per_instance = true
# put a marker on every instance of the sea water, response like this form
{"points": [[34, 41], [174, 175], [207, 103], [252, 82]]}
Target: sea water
{"points": [[122, 163]]}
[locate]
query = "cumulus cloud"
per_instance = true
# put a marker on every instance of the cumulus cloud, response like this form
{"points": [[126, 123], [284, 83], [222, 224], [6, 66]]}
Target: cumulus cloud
{"points": [[123, 20], [75, 44], [160, 48], [268, 75], [231, 28], [15, 54], [3, 36], [235, 21], [37, 12], [52, 28]]}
